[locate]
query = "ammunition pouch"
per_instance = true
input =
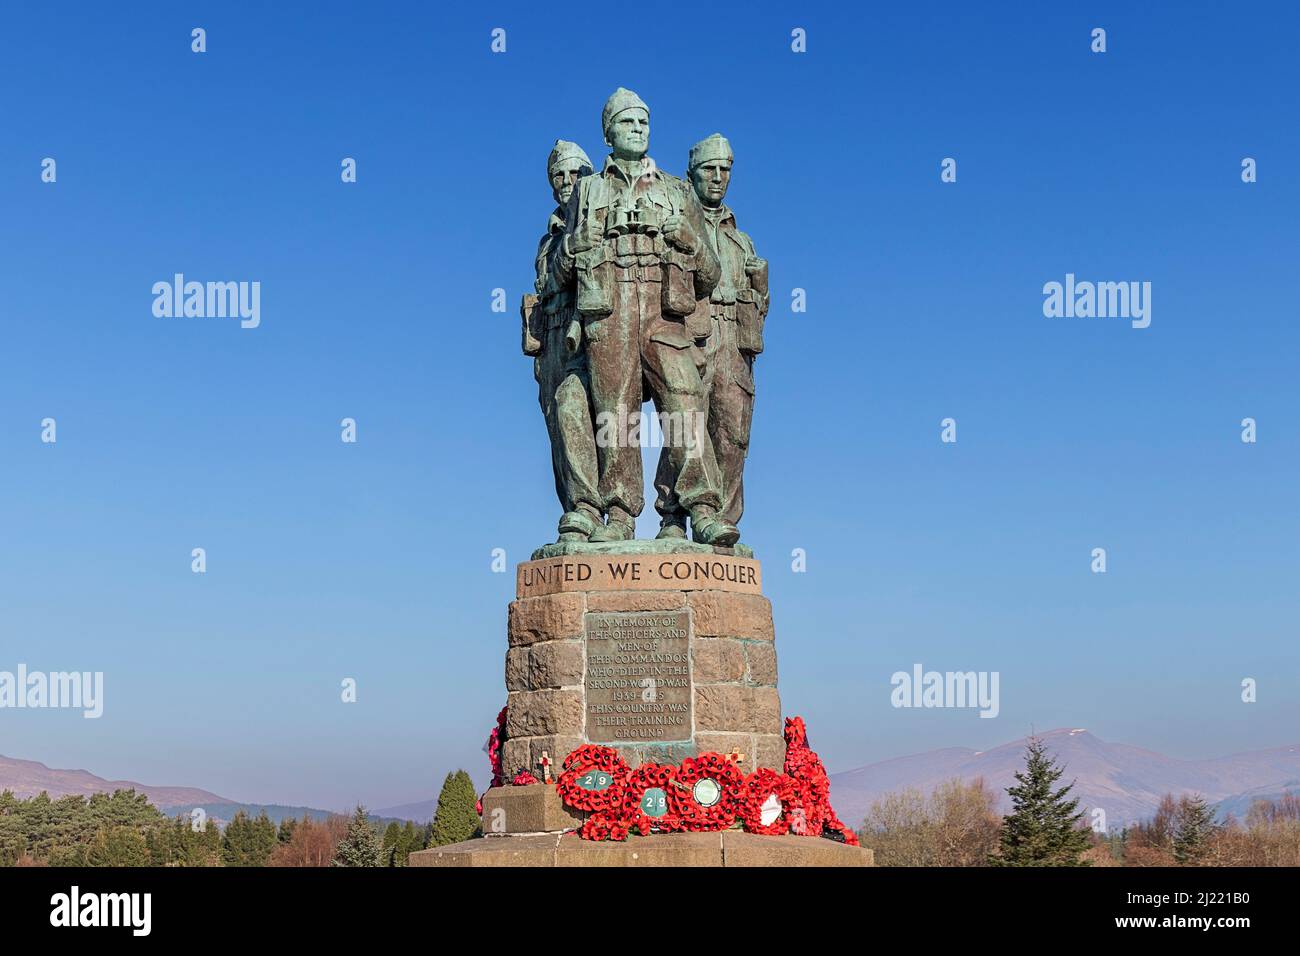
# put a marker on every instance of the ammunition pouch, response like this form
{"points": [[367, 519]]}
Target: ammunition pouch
{"points": [[699, 324], [672, 336], [533, 324], [594, 272], [749, 321], [678, 286]]}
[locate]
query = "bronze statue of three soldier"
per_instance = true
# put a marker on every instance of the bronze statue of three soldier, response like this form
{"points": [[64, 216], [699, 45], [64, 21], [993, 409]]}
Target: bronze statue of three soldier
{"points": [[645, 289]]}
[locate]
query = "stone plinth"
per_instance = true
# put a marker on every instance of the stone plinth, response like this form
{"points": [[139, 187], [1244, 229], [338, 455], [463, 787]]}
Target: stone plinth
{"points": [[662, 655], [536, 808], [713, 570], [728, 848]]}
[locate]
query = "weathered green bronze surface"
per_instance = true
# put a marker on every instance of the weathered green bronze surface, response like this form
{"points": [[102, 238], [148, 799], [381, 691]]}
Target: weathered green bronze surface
{"points": [[645, 289]]}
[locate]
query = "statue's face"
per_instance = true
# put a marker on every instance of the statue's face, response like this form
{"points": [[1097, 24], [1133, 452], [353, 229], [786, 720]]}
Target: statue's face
{"points": [[710, 180], [564, 178], [629, 133]]}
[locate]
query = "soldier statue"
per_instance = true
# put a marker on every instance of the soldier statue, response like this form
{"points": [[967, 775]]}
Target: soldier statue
{"points": [[733, 318], [635, 257], [552, 334]]}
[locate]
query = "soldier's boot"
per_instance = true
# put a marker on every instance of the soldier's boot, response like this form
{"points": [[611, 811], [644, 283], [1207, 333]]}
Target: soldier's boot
{"points": [[579, 524], [620, 526], [708, 527], [672, 526]]}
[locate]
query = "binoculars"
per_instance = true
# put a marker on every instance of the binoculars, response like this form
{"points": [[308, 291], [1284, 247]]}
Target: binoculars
{"points": [[640, 218]]}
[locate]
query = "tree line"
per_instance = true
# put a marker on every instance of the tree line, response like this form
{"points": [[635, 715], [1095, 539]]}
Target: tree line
{"points": [[124, 829], [958, 825]]}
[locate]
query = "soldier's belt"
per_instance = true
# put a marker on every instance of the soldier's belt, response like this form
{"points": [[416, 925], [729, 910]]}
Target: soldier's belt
{"points": [[723, 310]]}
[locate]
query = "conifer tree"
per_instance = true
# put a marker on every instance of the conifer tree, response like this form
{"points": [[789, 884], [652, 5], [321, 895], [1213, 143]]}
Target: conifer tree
{"points": [[1193, 827], [264, 840], [456, 818], [118, 846], [392, 836], [361, 846], [1043, 826], [237, 841], [412, 839]]}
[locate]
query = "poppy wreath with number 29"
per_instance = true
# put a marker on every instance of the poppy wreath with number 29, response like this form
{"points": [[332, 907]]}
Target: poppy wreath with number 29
{"points": [[591, 759], [650, 776]]}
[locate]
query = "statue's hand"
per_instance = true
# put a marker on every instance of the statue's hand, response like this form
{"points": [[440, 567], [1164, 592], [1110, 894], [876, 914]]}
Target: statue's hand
{"points": [[754, 265], [678, 231], [570, 247]]}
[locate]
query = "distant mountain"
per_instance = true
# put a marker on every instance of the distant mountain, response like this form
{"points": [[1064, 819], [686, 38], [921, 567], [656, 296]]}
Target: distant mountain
{"points": [[1239, 804], [27, 778], [421, 812], [1125, 781], [223, 813]]}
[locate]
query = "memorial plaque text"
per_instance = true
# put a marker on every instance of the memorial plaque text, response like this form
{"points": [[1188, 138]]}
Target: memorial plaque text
{"points": [[638, 684]]}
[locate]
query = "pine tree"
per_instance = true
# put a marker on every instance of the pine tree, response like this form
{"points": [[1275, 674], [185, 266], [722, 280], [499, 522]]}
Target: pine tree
{"points": [[361, 847], [1043, 826], [237, 841], [412, 839], [457, 817], [285, 833], [208, 844], [118, 846], [392, 836], [264, 840], [1193, 826]]}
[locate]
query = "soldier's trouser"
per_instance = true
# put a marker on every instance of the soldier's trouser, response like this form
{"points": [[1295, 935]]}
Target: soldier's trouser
{"points": [[562, 394], [633, 342], [728, 379]]}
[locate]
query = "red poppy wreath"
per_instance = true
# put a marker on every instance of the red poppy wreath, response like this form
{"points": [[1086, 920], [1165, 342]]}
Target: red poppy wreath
{"points": [[594, 779], [769, 802], [707, 792], [646, 805]]}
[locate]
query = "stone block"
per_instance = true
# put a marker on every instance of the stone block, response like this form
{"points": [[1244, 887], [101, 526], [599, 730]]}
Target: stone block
{"points": [[753, 849], [497, 851], [628, 572], [660, 849], [541, 712], [769, 751], [760, 663], [555, 664], [515, 755], [535, 808], [729, 707], [554, 617], [517, 669], [636, 600], [720, 614], [765, 710], [718, 660], [555, 747], [728, 848], [725, 743]]}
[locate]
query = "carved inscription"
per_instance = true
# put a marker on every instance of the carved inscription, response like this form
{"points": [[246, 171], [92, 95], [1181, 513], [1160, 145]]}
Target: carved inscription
{"points": [[638, 684]]}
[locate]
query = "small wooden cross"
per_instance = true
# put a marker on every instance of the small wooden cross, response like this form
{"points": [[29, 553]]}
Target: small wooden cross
{"points": [[736, 757], [545, 763]]}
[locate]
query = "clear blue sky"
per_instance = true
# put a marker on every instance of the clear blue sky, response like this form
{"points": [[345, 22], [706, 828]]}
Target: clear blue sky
{"points": [[372, 560]]}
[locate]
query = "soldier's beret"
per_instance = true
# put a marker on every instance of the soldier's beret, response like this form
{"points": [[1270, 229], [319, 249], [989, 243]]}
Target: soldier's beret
{"points": [[564, 150], [710, 148], [621, 99]]}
